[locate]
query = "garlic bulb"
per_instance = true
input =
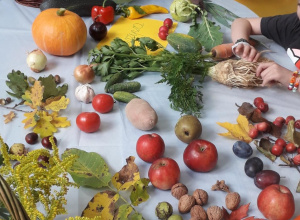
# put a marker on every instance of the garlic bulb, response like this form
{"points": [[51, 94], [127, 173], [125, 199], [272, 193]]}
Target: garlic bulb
{"points": [[84, 93]]}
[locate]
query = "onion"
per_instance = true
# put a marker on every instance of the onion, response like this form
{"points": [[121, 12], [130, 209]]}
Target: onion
{"points": [[84, 74], [36, 60]]}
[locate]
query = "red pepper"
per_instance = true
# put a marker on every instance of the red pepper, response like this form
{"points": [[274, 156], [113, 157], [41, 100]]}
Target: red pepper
{"points": [[103, 14]]}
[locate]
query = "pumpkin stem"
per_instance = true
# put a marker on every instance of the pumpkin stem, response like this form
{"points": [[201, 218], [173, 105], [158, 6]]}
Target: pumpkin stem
{"points": [[61, 12]]}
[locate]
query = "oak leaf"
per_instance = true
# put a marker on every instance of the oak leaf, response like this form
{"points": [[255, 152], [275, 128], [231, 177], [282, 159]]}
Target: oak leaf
{"points": [[237, 214], [30, 119], [59, 122], [37, 93], [102, 204], [237, 131], [56, 106], [43, 125], [127, 176], [17, 82], [9, 117], [51, 88]]}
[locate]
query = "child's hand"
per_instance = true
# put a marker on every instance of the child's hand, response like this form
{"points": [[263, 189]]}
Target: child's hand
{"points": [[246, 52], [272, 72]]}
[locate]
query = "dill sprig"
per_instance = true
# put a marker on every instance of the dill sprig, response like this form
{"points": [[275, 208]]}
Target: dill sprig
{"points": [[184, 72]]}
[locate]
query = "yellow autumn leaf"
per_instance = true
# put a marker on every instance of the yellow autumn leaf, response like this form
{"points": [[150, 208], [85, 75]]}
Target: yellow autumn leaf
{"points": [[9, 117], [27, 98], [237, 131], [31, 119], [56, 106], [102, 204], [43, 125], [37, 92], [59, 122], [127, 176], [244, 123]]}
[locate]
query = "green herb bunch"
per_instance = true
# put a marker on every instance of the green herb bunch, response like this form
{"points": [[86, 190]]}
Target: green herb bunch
{"points": [[184, 72]]}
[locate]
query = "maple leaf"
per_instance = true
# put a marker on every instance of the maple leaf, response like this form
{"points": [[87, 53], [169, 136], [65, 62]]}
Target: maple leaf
{"points": [[237, 214], [62, 103], [31, 119], [59, 122], [9, 117], [237, 131], [43, 125]]}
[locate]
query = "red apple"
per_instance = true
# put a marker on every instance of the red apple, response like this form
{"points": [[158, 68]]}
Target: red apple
{"points": [[164, 173], [276, 202], [150, 147], [200, 155]]}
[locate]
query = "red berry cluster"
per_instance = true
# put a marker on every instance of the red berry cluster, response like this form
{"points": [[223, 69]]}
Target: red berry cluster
{"points": [[261, 105], [164, 30], [280, 146]]}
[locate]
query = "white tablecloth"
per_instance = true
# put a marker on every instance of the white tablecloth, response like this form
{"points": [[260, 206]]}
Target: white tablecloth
{"points": [[116, 139]]}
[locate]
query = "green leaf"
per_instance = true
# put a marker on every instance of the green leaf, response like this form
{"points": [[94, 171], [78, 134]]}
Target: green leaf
{"points": [[207, 33], [136, 216], [51, 89], [121, 2], [17, 83], [89, 169], [139, 192], [221, 14], [123, 212]]}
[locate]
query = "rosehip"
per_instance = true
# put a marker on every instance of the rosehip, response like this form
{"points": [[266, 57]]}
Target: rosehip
{"points": [[290, 148], [258, 100], [297, 124], [263, 126], [280, 142], [298, 150], [278, 124], [263, 107], [253, 133], [288, 118], [296, 159], [280, 119], [277, 150]]}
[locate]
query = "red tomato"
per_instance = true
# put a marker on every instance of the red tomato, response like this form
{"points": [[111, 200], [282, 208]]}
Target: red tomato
{"points": [[103, 14], [88, 121], [168, 22], [277, 150], [163, 35], [103, 103]]}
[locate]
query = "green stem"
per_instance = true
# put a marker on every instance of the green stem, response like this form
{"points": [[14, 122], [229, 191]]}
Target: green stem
{"points": [[104, 3], [61, 12]]}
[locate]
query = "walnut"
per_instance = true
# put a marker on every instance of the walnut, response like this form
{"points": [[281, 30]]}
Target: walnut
{"points": [[214, 213], [186, 202], [179, 190], [232, 200], [200, 196], [198, 212], [220, 185]]}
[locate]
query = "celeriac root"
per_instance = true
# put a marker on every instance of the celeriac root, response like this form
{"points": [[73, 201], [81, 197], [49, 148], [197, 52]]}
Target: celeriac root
{"points": [[236, 73]]}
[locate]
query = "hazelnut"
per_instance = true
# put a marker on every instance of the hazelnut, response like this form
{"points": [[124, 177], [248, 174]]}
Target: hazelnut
{"points": [[200, 196], [179, 190], [214, 213], [186, 202], [198, 212], [232, 200]]}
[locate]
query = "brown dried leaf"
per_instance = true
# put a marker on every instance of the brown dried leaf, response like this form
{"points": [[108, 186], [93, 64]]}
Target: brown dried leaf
{"points": [[264, 147], [8, 118], [291, 134], [246, 109]]}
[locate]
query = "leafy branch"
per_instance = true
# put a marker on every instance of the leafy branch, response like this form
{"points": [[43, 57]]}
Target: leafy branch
{"points": [[90, 170]]}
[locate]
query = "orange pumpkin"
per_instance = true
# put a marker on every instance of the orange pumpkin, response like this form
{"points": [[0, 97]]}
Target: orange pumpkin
{"points": [[59, 32], [297, 218]]}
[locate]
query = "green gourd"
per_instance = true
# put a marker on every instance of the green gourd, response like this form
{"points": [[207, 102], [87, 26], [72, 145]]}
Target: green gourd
{"points": [[184, 43]]}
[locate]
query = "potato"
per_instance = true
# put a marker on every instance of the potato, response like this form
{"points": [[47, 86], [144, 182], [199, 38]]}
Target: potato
{"points": [[140, 114]]}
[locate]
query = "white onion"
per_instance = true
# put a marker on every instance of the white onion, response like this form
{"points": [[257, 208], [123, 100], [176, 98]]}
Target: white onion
{"points": [[36, 60]]}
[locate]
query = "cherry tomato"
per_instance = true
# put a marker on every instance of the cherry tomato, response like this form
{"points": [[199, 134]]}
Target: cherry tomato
{"points": [[296, 159], [103, 103], [280, 142], [168, 22], [163, 35], [277, 150], [258, 100], [164, 28], [290, 148], [88, 121], [288, 118]]}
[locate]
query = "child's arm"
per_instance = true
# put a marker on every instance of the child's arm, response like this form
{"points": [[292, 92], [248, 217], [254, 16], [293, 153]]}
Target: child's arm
{"points": [[241, 29]]}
